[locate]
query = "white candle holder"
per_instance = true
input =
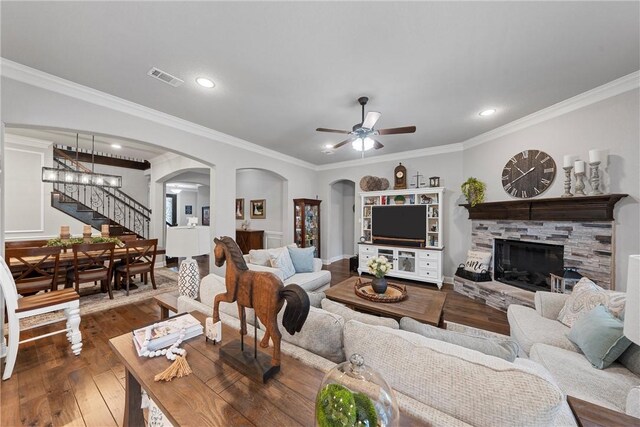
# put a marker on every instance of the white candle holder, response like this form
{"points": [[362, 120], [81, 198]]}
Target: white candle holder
{"points": [[594, 180], [580, 184], [567, 181]]}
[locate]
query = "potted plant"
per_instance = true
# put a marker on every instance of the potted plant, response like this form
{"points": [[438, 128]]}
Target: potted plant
{"points": [[379, 267], [473, 189], [399, 199]]}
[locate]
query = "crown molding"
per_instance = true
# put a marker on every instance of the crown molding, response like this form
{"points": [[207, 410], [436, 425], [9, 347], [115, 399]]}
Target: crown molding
{"points": [[37, 78], [26, 141], [31, 76], [600, 93], [402, 155]]}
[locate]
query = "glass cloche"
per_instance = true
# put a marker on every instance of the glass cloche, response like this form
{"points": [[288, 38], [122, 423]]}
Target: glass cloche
{"points": [[353, 394]]}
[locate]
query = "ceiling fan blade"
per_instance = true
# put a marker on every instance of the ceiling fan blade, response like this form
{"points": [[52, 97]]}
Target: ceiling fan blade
{"points": [[390, 131], [371, 119], [377, 144], [340, 144], [333, 130]]}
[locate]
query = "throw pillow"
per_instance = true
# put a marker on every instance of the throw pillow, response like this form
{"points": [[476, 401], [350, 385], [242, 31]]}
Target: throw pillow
{"points": [[302, 258], [347, 314], [586, 296], [506, 349], [315, 298], [283, 262], [631, 359], [260, 257], [477, 261], [599, 335]]}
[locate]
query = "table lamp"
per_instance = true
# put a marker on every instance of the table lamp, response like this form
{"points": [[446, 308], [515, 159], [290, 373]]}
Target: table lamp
{"points": [[632, 305], [188, 242]]}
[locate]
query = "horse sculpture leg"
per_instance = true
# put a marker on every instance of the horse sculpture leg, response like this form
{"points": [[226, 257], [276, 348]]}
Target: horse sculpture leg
{"points": [[243, 320], [225, 297], [273, 332]]}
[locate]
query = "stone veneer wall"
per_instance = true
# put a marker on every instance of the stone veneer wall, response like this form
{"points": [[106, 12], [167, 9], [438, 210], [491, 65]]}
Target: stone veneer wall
{"points": [[588, 246]]}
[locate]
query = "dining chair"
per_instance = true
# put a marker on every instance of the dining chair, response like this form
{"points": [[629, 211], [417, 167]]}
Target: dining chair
{"points": [[34, 269], [20, 308], [92, 262], [25, 244], [140, 259]]}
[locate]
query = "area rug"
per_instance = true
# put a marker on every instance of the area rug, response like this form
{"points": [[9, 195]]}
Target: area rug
{"points": [[91, 302]]}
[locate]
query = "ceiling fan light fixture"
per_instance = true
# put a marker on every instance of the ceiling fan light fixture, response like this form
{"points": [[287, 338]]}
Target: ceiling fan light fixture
{"points": [[362, 144]]}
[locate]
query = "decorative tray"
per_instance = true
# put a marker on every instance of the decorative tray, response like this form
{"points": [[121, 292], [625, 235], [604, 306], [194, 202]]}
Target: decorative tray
{"points": [[394, 293]]}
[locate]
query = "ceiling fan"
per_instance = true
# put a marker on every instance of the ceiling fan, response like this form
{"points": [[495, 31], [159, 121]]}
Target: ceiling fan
{"points": [[361, 135]]}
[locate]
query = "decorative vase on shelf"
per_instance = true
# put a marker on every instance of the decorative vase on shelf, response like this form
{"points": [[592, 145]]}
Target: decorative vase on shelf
{"points": [[379, 285], [353, 394]]}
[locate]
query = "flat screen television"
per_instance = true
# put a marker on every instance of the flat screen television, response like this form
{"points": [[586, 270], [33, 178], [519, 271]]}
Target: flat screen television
{"points": [[399, 222]]}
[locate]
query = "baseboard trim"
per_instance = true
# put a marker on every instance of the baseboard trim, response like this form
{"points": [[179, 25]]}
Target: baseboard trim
{"points": [[336, 258]]}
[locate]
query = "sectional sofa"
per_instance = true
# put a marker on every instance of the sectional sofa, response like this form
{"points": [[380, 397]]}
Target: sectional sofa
{"points": [[437, 382]]}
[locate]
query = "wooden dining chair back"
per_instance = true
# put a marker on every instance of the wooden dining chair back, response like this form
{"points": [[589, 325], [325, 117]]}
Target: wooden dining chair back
{"points": [[25, 244], [140, 259], [20, 308], [92, 262], [34, 269]]}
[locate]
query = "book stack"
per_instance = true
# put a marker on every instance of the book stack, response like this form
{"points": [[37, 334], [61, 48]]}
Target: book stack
{"points": [[165, 335]]}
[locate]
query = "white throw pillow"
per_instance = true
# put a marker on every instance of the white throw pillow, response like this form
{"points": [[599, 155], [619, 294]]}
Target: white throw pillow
{"points": [[260, 257], [586, 296], [477, 261], [283, 262]]}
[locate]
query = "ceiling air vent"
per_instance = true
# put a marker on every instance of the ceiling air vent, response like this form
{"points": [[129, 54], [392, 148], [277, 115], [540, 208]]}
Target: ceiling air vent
{"points": [[165, 77]]}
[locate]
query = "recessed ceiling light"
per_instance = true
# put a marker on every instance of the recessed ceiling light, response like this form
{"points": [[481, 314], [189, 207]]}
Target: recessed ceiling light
{"points": [[328, 146], [204, 82], [487, 112], [116, 146]]}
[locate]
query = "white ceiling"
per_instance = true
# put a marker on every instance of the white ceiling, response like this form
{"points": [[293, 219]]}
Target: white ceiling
{"points": [[282, 69]]}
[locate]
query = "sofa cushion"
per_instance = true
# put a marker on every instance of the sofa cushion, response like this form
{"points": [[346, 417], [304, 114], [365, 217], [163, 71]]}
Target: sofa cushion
{"points": [[599, 335], [587, 295], [315, 299], [212, 285], [302, 258], [260, 257], [348, 314], [576, 377], [311, 281], [633, 402], [282, 261], [506, 348], [321, 334], [528, 327], [493, 391], [631, 359]]}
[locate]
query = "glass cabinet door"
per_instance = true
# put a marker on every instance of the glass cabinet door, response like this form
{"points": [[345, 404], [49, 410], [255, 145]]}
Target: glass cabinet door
{"points": [[298, 225], [388, 254], [306, 226], [407, 261], [311, 226]]}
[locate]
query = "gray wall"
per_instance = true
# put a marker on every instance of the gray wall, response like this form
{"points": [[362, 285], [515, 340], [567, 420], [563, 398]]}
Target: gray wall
{"points": [[339, 207], [255, 184], [611, 124]]}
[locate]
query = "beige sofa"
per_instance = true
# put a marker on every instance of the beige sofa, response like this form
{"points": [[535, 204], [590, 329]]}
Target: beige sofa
{"points": [[545, 341], [315, 281], [439, 383]]}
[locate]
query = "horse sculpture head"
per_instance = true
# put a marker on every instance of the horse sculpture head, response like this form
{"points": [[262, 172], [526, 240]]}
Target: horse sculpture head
{"points": [[234, 252]]}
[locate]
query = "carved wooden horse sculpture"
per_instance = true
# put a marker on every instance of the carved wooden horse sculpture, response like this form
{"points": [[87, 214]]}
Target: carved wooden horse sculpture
{"points": [[262, 291]]}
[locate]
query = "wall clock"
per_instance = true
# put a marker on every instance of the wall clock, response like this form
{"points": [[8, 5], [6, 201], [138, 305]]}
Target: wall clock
{"points": [[400, 177], [528, 174]]}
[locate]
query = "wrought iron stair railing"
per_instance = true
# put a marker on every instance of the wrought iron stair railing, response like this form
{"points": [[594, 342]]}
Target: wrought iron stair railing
{"points": [[100, 205]]}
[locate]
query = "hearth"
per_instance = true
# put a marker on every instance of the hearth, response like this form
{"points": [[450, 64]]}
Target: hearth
{"points": [[527, 265]]}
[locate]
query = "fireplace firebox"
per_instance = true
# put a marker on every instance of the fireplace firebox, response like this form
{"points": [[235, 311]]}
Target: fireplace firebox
{"points": [[527, 265]]}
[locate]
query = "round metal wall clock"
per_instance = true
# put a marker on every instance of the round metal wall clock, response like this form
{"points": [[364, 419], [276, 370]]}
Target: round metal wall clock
{"points": [[528, 174]]}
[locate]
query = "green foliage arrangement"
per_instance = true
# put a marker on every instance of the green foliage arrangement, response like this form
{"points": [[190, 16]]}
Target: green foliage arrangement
{"points": [[366, 414], [335, 406], [74, 240], [399, 198], [473, 189]]}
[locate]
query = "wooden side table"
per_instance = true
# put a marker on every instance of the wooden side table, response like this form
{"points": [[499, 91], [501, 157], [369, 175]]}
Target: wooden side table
{"points": [[591, 415], [167, 302], [249, 239]]}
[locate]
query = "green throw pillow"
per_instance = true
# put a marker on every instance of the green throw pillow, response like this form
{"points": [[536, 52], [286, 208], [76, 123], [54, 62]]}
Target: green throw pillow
{"points": [[599, 335]]}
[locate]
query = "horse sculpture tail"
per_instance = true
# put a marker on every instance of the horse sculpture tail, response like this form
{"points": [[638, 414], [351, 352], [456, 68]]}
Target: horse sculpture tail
{"points": [[297, 309]]}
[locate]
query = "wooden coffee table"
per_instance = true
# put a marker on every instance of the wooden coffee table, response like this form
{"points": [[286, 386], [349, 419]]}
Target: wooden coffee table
{"points": [[216, 394], [424, 305]]}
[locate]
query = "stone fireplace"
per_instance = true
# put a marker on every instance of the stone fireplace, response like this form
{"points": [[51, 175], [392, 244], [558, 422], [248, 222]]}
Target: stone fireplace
{"points": [[576, 232]]}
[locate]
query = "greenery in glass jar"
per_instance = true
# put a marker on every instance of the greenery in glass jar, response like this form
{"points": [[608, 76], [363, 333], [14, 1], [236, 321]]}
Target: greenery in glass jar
{"points": [[379, 266]]}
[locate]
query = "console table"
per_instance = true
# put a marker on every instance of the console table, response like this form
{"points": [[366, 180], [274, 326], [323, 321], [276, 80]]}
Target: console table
{"points": [[217, 394], [249, 239]]}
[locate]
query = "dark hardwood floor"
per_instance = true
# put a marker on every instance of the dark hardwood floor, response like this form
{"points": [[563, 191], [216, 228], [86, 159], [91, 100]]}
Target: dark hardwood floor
{"points": [[52, 387]]}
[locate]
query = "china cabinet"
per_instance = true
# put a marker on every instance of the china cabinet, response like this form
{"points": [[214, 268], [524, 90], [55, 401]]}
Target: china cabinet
{"points": [[306, 226]]}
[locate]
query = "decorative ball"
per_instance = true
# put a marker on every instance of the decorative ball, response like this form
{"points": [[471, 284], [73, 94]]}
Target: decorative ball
{"points": [[384, 184], [146, 353]]}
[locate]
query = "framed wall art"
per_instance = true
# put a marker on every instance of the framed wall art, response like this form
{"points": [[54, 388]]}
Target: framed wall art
{"points": [[258, 209]]}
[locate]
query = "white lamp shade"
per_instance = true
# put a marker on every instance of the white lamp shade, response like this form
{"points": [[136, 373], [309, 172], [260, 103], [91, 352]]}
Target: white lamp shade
{"points": [[188, 241], [632, 306]]}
